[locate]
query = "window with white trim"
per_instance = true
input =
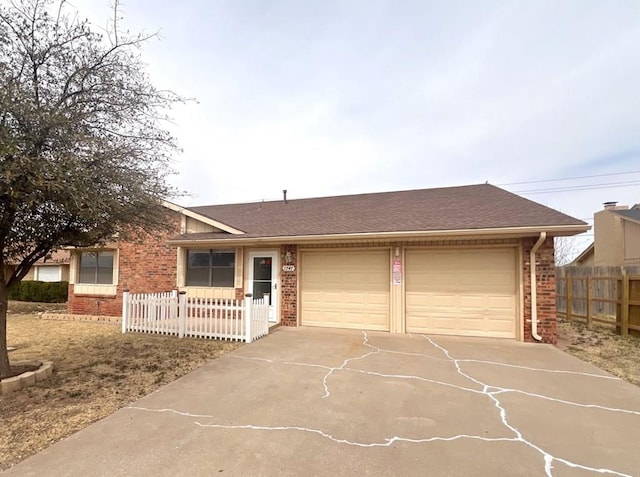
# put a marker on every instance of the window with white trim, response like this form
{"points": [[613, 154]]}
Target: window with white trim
{"points": [[210, 268], [96, 267]]}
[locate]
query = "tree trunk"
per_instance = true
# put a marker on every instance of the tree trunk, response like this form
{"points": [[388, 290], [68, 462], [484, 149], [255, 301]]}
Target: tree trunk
{"points": [[4, 353]]}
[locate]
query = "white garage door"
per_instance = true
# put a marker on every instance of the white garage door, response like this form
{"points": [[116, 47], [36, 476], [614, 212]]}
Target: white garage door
{"points": [[462, 292], [345, 289]]}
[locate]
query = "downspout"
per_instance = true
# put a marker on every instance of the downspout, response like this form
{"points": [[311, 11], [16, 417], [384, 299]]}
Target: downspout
{"points": [[534, 286]]}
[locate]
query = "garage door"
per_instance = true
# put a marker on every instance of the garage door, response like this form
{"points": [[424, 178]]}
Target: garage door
{"points": [[345, 289], [462, 292]]}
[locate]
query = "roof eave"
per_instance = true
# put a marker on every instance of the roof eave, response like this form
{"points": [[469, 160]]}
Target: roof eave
{"points": [[510, 232], [202, 218]]}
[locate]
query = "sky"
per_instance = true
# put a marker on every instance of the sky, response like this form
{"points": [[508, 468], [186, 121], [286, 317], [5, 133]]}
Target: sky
{"points": [[325, 97]]}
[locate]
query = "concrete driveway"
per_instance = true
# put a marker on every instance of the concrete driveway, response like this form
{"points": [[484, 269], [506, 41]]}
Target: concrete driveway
{"points": [[313, 402]]}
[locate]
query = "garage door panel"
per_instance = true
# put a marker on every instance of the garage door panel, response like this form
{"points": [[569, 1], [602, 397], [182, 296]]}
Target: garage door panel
{"points": [[477, 302], [346, 289], [500, 326], [506, 303], [470, 325], [462, 292]]}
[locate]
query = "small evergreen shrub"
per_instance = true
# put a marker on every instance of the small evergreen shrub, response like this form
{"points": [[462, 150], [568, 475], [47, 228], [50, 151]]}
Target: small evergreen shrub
{"points": [[43, 292]]}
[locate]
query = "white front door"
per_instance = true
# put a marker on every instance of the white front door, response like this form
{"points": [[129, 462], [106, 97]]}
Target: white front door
{"points": [[263, 278]]}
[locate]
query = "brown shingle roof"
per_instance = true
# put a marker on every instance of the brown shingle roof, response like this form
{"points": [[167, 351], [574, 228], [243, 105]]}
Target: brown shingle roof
{"points": [[482, 206]]}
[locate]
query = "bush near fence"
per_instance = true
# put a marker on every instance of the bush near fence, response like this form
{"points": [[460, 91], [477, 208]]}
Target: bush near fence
{"points": [[43, 292]]}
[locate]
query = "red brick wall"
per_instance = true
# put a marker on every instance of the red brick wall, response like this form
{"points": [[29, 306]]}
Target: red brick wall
{"points": [[239, 294], [289, 287], [546, 291], [146, 267]]}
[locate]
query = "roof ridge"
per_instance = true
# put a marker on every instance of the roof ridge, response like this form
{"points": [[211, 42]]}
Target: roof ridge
{"points": [[340, 196]]}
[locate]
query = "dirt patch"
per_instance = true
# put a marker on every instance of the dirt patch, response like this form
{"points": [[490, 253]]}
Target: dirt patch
{"points": [[602, 347], [17, 307], [97, 370]]}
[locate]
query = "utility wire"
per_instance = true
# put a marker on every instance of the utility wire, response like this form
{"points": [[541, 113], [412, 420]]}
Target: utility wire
{"points": [[609, 185], [569, 178]]}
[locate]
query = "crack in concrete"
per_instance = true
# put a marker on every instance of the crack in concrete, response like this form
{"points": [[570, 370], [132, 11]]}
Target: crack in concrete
{"points": [[548, 458], [347, 361], [563, 401], [492, 392], [508, 365], [542, 370], [385, 443], [362, 371]]}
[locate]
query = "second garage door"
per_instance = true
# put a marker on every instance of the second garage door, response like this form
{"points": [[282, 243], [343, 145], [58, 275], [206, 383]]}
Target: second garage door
{"points": [[345, 289], [462, 292]]}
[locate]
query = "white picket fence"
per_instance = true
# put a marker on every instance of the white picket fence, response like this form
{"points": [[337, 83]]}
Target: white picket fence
{"points": [[173, 313]]}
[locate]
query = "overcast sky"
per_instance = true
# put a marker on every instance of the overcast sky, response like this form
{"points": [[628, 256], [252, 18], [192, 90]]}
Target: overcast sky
{"points": [[343, 97]]}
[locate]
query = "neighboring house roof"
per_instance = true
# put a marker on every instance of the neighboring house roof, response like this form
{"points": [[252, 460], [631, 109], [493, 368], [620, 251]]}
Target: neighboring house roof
{"points": [[585, 253], [630, 214], [59, 257], [474, 207]]}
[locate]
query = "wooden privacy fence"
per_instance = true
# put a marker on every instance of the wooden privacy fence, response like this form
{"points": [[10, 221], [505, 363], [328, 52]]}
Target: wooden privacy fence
{"points": [[173, 313], [612, 300]]}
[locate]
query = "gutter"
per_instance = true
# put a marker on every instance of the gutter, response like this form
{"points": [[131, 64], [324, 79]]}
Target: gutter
{"points": [[534, 286], [510, 232]]}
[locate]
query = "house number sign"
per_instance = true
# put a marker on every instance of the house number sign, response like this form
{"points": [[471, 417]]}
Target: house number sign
{"points": [[288, 268]]}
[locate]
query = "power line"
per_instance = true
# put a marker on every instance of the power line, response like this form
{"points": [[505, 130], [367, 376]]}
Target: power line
{"points": [[609, 185], [570, 178]]}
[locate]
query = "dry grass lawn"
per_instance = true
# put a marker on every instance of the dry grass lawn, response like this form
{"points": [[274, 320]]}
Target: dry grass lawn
{"points": [[97, 370], [602, 347]]}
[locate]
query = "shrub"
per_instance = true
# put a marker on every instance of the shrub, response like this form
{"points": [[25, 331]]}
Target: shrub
{"points": [[44, 292]]}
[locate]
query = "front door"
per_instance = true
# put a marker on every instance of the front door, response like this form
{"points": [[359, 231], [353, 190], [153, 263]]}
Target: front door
{"points": [[263, 276]]}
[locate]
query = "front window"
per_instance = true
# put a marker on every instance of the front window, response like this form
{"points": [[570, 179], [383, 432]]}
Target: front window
{"points": [[96, 267], [210, 268]]}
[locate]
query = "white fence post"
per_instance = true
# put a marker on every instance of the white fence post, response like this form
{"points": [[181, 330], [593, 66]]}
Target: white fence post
{"points": [[182, 313], [267, 302], [174, 304], [125, 310], [248, 302]]}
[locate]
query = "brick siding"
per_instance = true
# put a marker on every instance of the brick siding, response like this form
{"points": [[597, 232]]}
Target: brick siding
{"points": [[289, 288], [239, 293], [145, 267]]}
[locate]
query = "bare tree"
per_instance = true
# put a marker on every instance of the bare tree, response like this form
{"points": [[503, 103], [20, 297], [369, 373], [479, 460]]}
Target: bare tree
{"points": [[565, 250], [83, 151]]}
